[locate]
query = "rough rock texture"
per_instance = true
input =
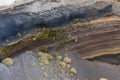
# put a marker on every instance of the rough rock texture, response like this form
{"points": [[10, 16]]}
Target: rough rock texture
{"points": [[23, 18], [21, 70]]}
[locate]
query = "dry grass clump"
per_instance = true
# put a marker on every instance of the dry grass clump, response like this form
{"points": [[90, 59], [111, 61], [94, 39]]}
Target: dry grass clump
{"points": [[8, 61]]}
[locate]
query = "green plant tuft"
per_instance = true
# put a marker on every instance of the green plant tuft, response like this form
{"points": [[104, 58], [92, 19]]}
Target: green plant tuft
{"points": [[44, 48]]}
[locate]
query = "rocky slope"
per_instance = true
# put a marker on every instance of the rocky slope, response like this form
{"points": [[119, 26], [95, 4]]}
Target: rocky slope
{"points": [[81, 32]]}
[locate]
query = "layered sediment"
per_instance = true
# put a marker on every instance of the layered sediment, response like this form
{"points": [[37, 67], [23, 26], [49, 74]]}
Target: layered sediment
{"points": [[90, 39]]}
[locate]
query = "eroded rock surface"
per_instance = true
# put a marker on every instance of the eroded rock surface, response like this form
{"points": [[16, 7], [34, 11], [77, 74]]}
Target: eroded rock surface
{"points": [[23, 19], [85, 70]]}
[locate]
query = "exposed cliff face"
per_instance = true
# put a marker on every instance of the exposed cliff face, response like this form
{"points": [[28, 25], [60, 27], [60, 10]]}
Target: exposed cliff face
{"points": [[90, 38], [24, 20]]}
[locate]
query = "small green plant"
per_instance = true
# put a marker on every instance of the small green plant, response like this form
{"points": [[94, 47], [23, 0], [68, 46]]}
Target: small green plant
{"points": [[84, 26], [44, 48], [45, 36], [8, 61], [55, 54], [50, 33], [45, 75], [68, 48], [64, 41]]}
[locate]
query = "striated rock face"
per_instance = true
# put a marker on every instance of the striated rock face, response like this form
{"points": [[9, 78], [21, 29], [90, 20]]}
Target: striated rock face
{"points": [[23, 19], [100, 38], [90, 38]]}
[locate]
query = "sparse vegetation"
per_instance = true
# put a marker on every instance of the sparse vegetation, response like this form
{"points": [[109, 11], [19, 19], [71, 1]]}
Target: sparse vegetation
{"points": [[59, 57], [67, 60], [56, 54], [62, 65], [29, 52], [32, 64], [44, 58], [44, 48], [8, 61], [73, 70], [63, 42], [84, 26], [51, 33], [68, 48], [45, 75]]}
